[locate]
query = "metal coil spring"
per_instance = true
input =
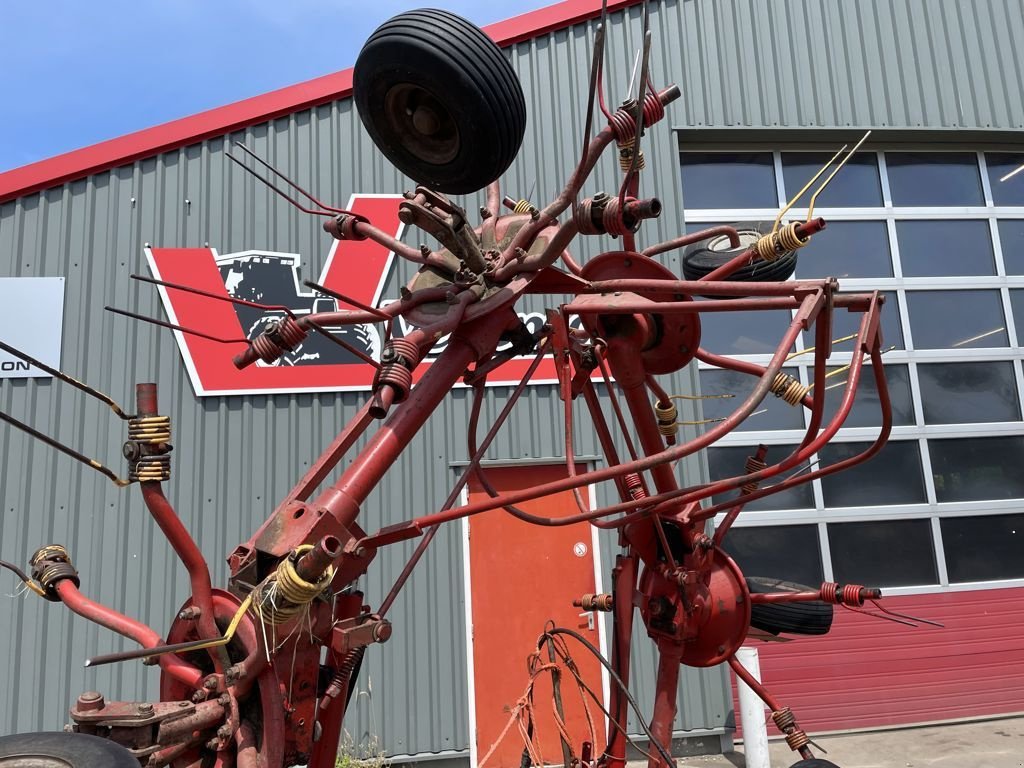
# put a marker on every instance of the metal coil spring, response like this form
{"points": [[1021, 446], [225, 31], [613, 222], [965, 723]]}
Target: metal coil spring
{"points": [[400, 356], [584, 218], [797, 739], [626, 151], [151, 430], [601, 602], [50, 566], [666, 415], [623, 122], [286, 594], [611, 219], [850, 594], [784, 719], [284, 336], [404, 349], [789, 389], [522, 207], [775, 245], [634, 485], [753, 465], [342, 676], [150, 469]]}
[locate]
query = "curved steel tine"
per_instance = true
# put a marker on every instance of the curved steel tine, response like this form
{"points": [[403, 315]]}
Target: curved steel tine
{"points": [[345, 345], [209, 295], [280, 192], [347, 299], [174, 327], [883, 609], [595, 74], [58, 374], [286, 180]]}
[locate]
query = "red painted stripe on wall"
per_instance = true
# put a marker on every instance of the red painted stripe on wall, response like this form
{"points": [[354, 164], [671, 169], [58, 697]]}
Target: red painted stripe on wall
{"points": [[258, 109]]}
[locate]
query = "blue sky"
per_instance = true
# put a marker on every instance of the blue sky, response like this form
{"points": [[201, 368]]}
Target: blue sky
{"points": [[80, 72]]}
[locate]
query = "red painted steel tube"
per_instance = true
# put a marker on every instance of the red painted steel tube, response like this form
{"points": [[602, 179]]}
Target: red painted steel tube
{"points": [[604, 437], [741, 672], [671, 454], [130, 628], [476, 456], [179, 537], [329, 459], [694, 237], [665, 693], [344, 497], [734, 511], [623, 589], [794, 289]]}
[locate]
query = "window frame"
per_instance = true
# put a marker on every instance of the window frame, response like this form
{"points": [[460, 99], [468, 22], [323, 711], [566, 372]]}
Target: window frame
{"points": [[909, 356]]}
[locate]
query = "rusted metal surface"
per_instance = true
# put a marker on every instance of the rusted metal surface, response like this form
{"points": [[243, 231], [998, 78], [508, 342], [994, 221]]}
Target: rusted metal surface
{"points": [[260, 675]]}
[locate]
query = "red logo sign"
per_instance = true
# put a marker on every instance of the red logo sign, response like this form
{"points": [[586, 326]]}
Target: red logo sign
{"points": [[357, 269]]}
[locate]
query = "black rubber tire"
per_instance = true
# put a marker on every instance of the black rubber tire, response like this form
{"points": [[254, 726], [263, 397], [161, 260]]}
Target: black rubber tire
{"points": [[55, 749], [814, 763], [805, 618], [437, 59], [702, 258]]}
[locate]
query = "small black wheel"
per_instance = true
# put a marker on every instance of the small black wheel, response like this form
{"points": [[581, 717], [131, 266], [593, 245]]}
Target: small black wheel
{"points": [[804, 618], [814, 763], [702, 258], [440, 100], [54, 749]]}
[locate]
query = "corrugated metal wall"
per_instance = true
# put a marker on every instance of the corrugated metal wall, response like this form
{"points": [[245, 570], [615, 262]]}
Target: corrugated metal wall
{"points": [[741, 63]]}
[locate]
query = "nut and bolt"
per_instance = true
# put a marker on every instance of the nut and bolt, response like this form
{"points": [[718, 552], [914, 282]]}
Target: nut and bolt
{"points": [[210, 683], [190, 614], [91, 701], [382, 632], [234, 673], [145, 708]]}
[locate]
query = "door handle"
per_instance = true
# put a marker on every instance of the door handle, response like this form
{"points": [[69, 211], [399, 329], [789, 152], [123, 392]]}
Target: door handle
{"points": [[590, 619]]}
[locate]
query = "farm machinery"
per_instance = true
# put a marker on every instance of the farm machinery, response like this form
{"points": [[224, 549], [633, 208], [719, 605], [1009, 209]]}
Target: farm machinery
{"points": [[259, 673]]}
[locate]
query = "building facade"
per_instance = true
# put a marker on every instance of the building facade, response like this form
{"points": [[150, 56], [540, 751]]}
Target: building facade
{"points": [[769, 92]]}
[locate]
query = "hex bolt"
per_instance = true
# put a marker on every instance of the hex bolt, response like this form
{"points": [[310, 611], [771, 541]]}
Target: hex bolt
{"points": [[145, 708], [90, 701], [191, 613]]}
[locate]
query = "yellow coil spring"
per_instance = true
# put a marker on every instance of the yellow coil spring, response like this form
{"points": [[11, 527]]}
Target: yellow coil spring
{"points": [[151, 469], [776, 244], [523, 206], [152, 430], [626, 151], [58, 568], [286, 594], [666, 415], [789, 389]]}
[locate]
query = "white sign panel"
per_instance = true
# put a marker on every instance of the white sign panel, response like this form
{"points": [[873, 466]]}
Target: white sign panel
{"points": [[31, 319]]}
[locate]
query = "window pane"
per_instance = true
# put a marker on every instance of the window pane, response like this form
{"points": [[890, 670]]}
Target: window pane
{"points": [[744, 333], [891, 476], [960, 393], [729, 462], [956, 319], [1017, 307], [847, 249], [883, 553], [845, 323], [856, 185], [777, 414], [983, 548], [999, 164], [728, 180], [1011, 241], [934, 178], [944, 248], [866, 411], [786, 552], [969, 469]]}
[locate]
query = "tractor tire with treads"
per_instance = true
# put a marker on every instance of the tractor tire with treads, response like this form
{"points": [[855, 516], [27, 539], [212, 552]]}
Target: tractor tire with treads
{"points": [[55, 749], [702, 258], [804, 618], [440, 100]]}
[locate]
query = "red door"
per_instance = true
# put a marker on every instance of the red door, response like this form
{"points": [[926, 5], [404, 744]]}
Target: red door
{"points": [[522, 576]]}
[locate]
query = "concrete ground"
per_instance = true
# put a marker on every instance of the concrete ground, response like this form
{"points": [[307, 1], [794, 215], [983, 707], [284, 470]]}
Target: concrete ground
{"points": [[982, 744]]}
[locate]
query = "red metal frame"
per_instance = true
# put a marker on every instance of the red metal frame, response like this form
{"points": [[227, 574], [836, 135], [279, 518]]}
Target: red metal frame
{"points": [[290, 605]]}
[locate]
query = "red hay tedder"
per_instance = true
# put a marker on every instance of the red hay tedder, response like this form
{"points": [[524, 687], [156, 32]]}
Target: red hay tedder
{"points": [[442, 103]]}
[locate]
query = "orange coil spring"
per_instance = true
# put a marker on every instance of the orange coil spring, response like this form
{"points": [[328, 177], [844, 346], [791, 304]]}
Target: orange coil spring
{"points": [[283, 337], [784, 719], [634, 486], [611, 218], [847, 595], [797, 739], [753, 465], [788, 388], [400, 356], [623, 122]]}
